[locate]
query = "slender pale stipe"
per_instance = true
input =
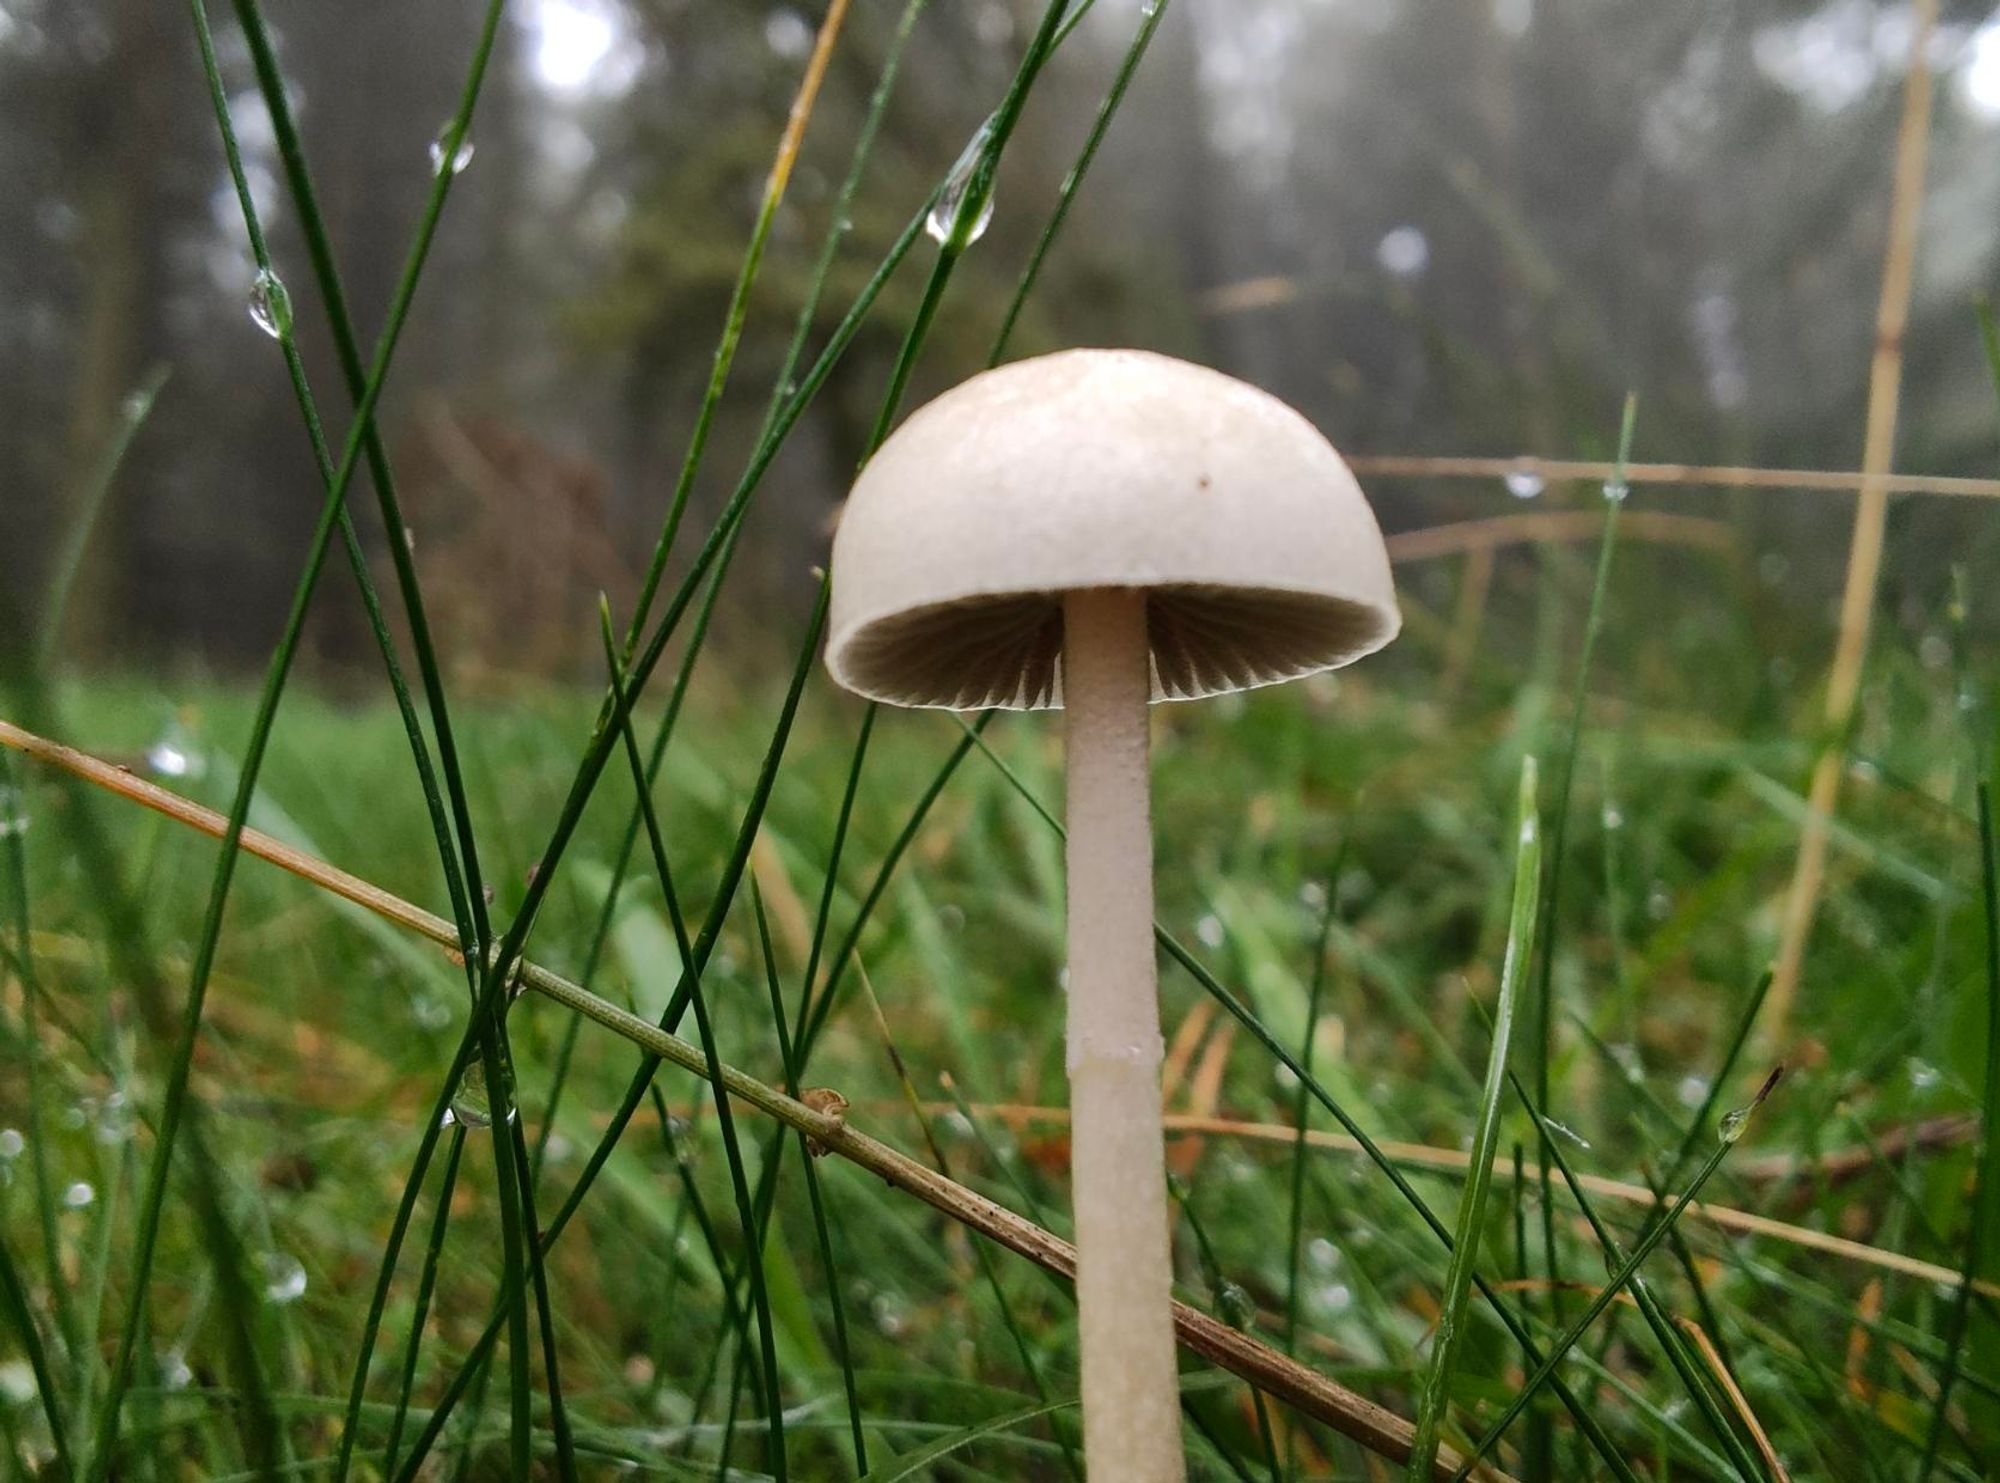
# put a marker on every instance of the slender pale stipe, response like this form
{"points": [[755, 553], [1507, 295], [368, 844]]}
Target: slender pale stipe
{"points": [[1124, 1280]]}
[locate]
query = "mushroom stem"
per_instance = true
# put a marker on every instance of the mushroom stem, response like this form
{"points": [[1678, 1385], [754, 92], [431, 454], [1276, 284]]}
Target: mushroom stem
{"points": [[1124, 1280]]}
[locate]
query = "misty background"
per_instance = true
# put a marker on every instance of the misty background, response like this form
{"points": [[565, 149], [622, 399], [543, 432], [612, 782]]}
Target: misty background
{"points": [[1459, 228]]}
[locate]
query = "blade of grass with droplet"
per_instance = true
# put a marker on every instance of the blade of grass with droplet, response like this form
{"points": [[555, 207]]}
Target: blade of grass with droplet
{"points": [[14, 1302], [1435, 1400], [258, 1431], [1731, 1130], [1542, 999], [1372, 1151], [1986, 1187], [704, 947], [843, 1352], [132, 415], [753, 1259], [420, 1307], [13, 826], [1301, 1114], [1657, 1318], [1128, 67], [1232, 1305]]}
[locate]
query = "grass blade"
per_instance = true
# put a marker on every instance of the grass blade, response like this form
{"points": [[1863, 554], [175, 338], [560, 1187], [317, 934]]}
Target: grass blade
{"points": [[1732, 1129], [1436, 1399]]}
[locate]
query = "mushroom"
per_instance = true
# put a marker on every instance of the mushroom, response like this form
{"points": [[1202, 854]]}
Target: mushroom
{"points": [[1097, 530]]}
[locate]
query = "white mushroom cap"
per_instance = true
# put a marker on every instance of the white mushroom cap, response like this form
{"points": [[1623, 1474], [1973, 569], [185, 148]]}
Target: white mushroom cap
{"points": [[1259, 555]]}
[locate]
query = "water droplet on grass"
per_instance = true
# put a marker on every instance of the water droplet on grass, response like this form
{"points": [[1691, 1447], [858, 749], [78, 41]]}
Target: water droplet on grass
{"points": [[174, 1371], [1323, 1254], [1732, 1125], [79, 1195], [1615, 490], [459, 160], [271, 305], [284, 1278], [1923, 1075], [1693, 1091], [11, 1143], [1209, 930], [1564, 1131], [955, 197]]}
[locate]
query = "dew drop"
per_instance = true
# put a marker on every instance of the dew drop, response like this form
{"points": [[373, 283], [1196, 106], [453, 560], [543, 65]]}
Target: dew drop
{"points": [[271, 305], [1614, 817], [1333, 1299], [284, 1278], [1732, 1125], [469, 1104], [1323, 1254], [1403, 252], [1693, 1091], [78, 1195], [788, 34], [890, 1321], [11, 1143], [1615, 490], [954, 198], [1923, 1075], [1525, 481], [1209, 930], [1565, 1131], [173, 756], [114, 1120], [1237, 1309], [174, 1371], [14, 818], [459, 160]]}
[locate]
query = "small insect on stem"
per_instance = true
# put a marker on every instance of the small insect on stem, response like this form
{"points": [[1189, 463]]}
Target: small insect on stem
{"points": [[828, 1103]]}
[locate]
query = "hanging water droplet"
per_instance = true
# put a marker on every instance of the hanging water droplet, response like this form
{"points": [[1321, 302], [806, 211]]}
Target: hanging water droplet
{"points": [[1333, 1299], [469, 1104], [13, 814], [954, 197], [79, 1195], [1693, 1091], [11, 1143], [271, 305], [1615, 490], [459, 160], [1237, 1309], [890, 1321], [174, 1371], [114, 1120], [284, 1278], [1565, 1131], [1525, 481], [1732, 1125]]}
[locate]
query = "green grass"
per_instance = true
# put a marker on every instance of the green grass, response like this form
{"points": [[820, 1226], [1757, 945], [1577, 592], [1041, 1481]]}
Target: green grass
{"points": [[224, 1249], [325, 1028]]}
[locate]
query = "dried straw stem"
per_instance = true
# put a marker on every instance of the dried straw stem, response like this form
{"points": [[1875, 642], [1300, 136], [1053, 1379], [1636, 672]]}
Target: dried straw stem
{"points": [[1864, 557]]}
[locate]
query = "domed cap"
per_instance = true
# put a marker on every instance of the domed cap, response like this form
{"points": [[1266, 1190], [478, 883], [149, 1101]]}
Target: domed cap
{"points": [[1260, 558]]}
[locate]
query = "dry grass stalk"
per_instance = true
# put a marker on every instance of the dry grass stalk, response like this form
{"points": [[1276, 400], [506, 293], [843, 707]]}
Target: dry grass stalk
{"points": [[1864, 558]]}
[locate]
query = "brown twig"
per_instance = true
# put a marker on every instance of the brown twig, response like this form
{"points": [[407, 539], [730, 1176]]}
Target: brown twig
{"points": [[1283, 1378], [1864, 557], [1457, 1161], [1558, 471], [1477, 536]]}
